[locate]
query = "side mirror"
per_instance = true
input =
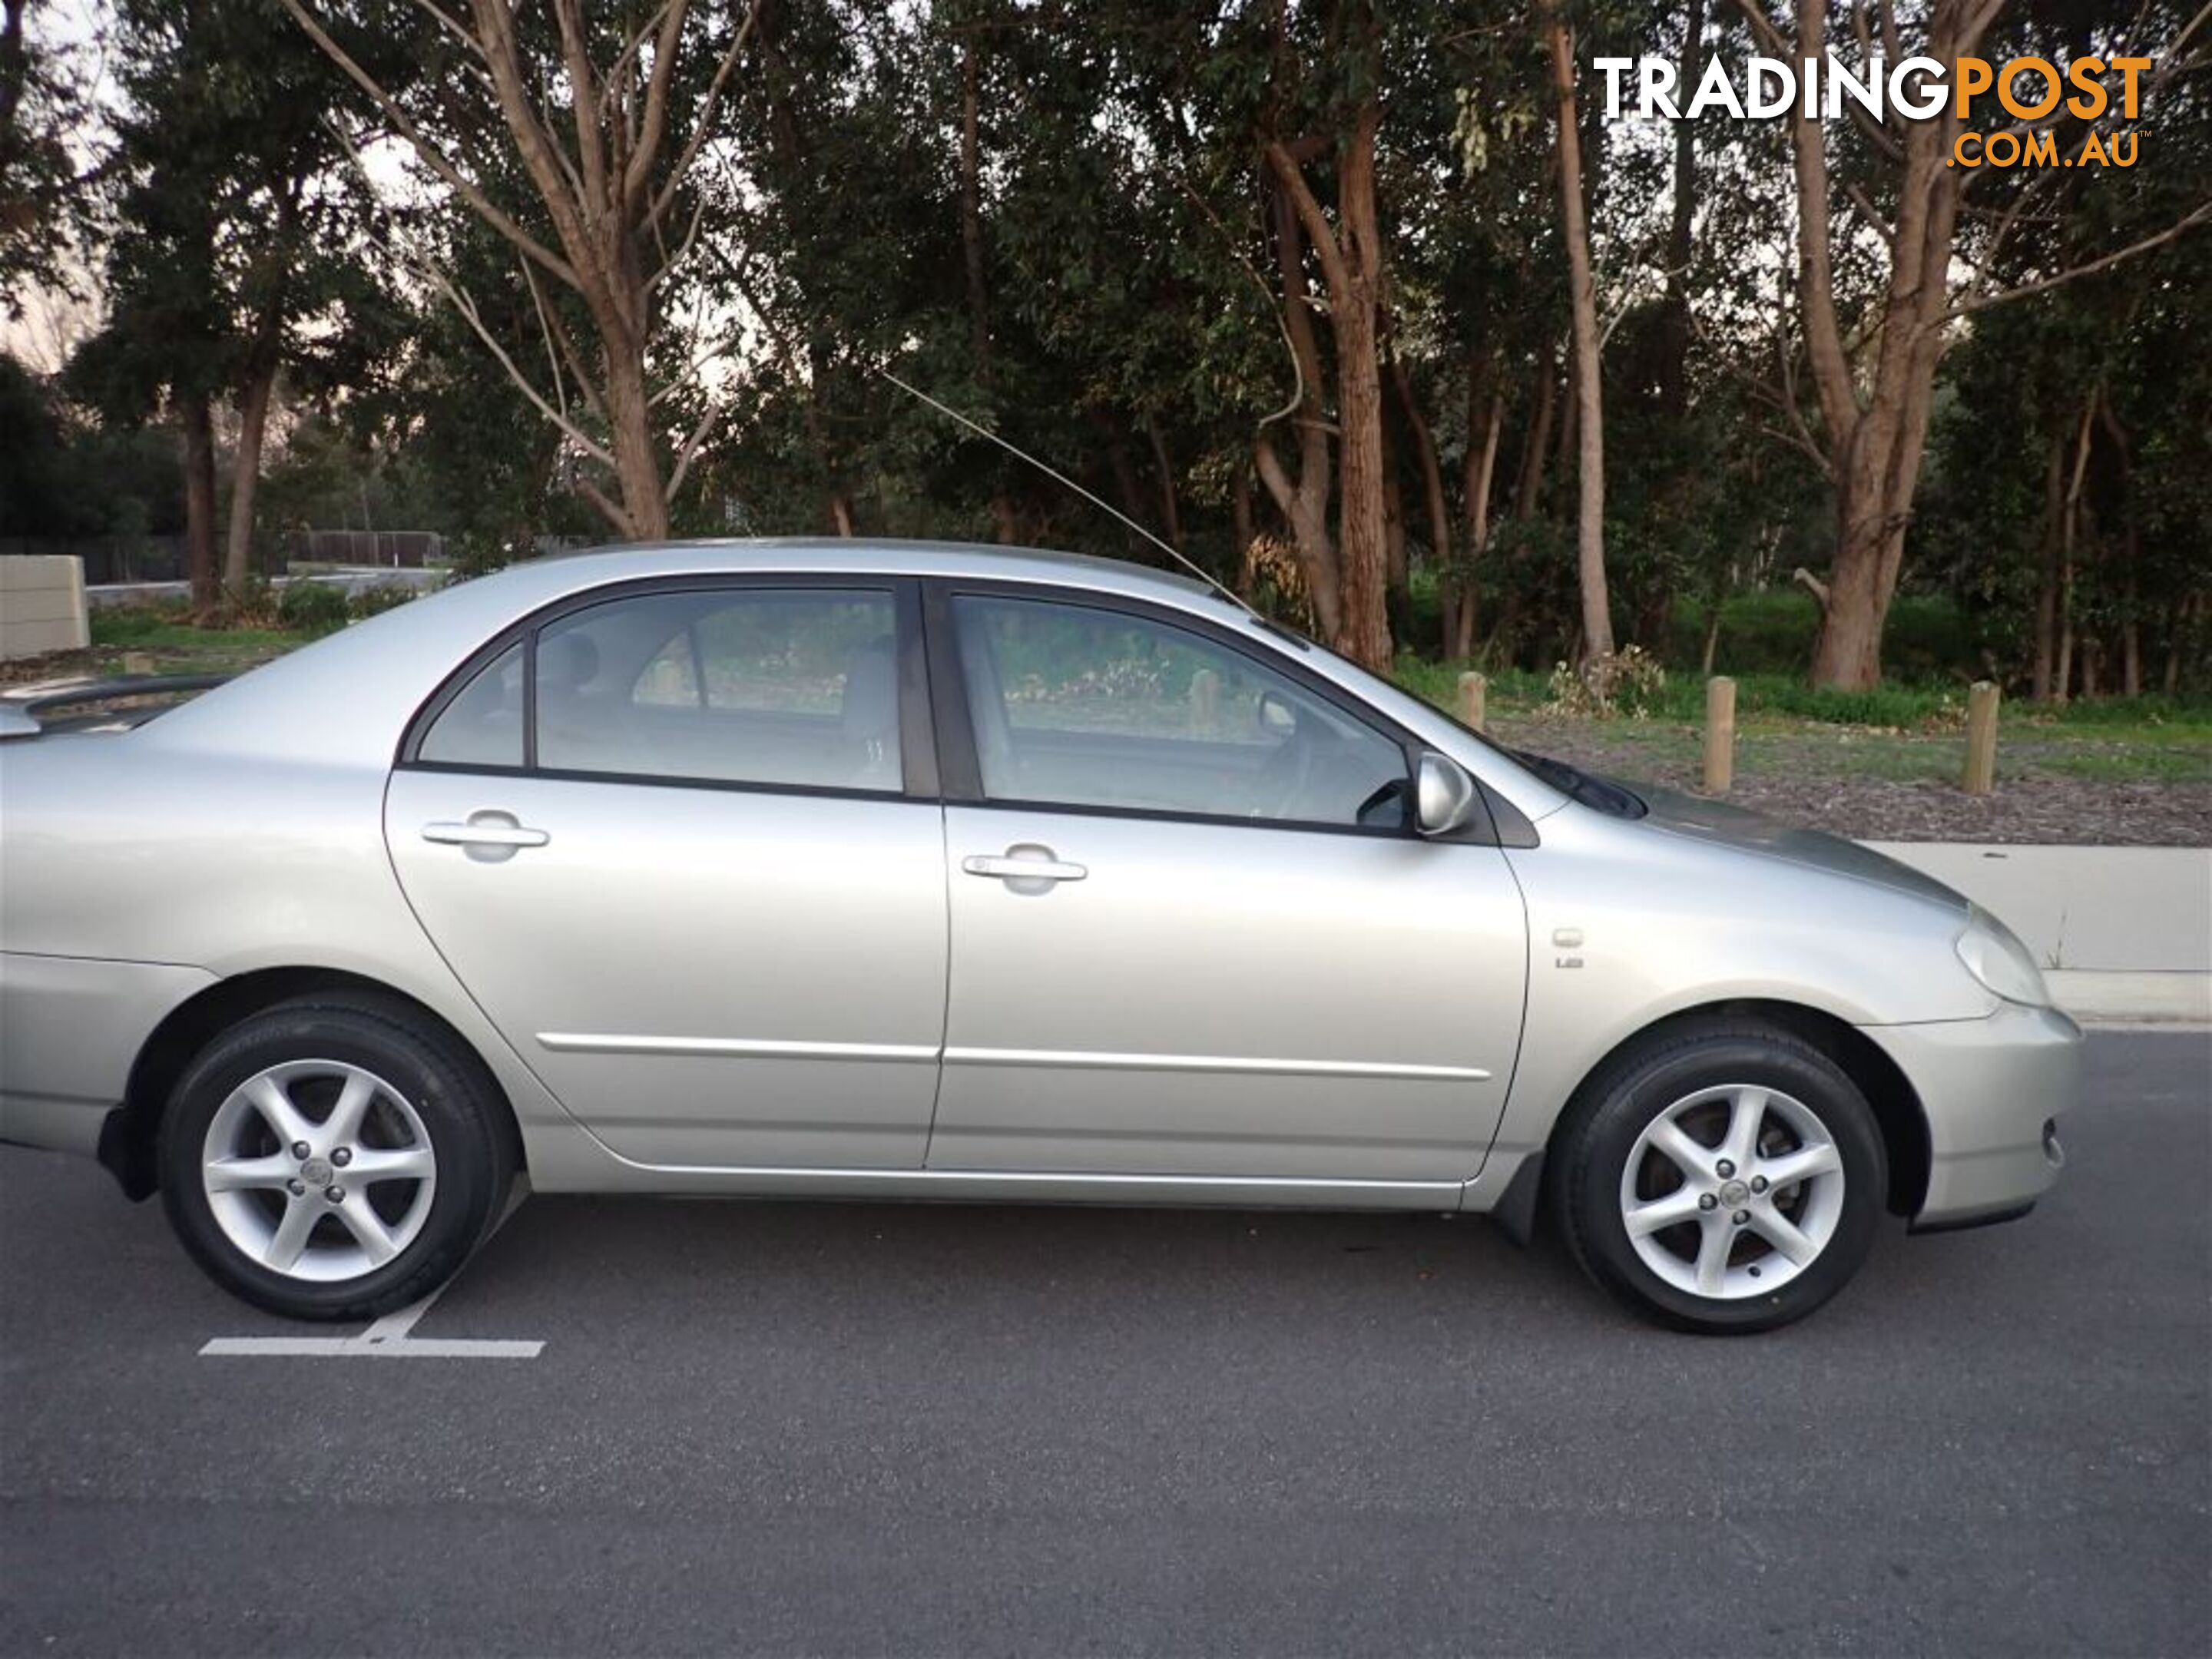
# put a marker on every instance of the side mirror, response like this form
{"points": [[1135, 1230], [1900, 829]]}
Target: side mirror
{"points": [[1445, 796]]}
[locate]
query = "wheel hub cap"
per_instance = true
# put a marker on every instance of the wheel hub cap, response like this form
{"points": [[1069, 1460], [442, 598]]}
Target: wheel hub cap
{"points": [[1732, 1192], [318, 1169]]}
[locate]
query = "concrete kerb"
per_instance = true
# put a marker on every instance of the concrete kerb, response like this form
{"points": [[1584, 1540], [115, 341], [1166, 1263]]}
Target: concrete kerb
{"points": [[2123, 933]]}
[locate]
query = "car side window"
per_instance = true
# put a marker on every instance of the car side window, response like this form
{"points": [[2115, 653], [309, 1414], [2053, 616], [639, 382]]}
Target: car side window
{"points": [[1082, 706], [760, 686], [482, 725]]}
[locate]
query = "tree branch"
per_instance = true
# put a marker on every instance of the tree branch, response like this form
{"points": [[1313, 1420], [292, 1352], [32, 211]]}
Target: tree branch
{"points": [[654, 124], [2199, 215], [1310, 216], [703, 122], [431, 156]]}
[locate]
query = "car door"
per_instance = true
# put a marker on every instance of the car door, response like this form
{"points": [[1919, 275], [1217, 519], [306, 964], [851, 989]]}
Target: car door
{"points": [[683, 846], [1193, 933]]}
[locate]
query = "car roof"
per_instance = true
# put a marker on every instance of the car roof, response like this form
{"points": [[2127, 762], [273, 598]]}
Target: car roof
{"points": [[872, 555]]}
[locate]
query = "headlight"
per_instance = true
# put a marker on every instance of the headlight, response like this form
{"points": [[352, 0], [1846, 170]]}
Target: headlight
{"points": [[2000, 962]]}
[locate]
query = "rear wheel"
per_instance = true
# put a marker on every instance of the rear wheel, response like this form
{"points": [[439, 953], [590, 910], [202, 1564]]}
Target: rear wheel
{"points": [[1725, 1178], [330, 1159]]}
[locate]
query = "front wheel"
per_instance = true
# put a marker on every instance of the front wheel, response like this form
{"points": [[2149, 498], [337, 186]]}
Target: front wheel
{"points": [[1728, 1178], [329, 1160]]}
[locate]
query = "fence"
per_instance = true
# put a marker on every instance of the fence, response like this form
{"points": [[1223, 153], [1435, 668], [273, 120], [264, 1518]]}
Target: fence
{"points": [[109, 559], [398, 550]]}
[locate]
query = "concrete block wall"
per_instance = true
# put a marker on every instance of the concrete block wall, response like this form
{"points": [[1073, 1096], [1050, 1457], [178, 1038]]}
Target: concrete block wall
{"points": [[41, 605]]}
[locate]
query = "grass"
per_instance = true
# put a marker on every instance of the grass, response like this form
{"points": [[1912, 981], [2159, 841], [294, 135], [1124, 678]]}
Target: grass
{"points": [[1901, 733], [177, 647]]}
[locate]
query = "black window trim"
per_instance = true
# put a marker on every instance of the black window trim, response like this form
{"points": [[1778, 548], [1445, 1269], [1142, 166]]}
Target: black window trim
{"points": [[961, 770], [918, 743]]}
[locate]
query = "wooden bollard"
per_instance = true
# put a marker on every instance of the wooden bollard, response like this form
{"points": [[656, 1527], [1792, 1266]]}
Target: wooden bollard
{"points": [[1981, 738], [1205, 700], [1473, 691], [1720, 734]]}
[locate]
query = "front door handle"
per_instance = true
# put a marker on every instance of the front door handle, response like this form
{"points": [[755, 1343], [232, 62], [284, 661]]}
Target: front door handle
{"points": [[487, 836], [1026, 862]]}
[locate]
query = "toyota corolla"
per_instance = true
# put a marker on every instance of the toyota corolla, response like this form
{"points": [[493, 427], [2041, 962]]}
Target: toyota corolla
{"points": [[892, 870]]}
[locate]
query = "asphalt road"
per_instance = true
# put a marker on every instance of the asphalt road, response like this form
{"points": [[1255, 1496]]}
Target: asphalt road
{"points": [[941, 1431]]}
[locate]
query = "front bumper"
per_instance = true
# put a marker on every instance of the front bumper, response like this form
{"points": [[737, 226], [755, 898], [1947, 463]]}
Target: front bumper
{"points": [[1992, 1091]]}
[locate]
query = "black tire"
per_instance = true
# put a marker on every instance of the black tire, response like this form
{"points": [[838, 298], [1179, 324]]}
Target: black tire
{"points": [[1593, 1147], [468, 1129]]}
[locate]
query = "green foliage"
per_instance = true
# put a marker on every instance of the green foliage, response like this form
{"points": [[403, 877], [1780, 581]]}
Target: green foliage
{"points": [[1929, 638], [376, 598], [313, 608]]}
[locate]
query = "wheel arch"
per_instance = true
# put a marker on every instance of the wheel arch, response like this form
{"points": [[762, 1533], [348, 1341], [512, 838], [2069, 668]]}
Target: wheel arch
{"points": [[1898, 1109], [129, 1137]]}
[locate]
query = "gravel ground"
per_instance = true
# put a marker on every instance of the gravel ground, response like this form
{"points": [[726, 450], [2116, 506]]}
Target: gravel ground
{"points": [[1806, 779]]}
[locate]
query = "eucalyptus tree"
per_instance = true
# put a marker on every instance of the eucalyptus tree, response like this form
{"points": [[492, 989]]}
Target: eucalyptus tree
{"points": [[606, 112], [1909, 217]]}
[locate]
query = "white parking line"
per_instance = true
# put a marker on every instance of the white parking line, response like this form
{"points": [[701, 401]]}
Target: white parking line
{"points": [[388, 1337]]}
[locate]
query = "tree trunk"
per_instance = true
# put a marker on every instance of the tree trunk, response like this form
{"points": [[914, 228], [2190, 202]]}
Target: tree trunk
{"points": [[198, 424], [2130, 549], [1125, 477], [1529, 488], [1170, 517], [1364, 627], [1480, 469], [1433, 499], [1875, 423], [2046, 595], [2131, 629], [1590, 525], [643, 511], [245, 469], [1432, 478], [2069, 529], [1302, 501], [1240, 510], [1675, 328]]}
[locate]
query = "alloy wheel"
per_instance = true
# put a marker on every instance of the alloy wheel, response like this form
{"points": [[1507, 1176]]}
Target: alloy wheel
{"points": [[318, 1169], [1732, 1192]]}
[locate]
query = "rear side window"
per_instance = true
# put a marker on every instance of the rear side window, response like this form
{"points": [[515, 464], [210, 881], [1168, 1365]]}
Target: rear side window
{"points": [[761, 686], [482, 725]]}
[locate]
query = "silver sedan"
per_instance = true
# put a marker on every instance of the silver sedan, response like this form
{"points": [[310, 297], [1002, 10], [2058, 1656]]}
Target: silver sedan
{"points": [[891, 871]]}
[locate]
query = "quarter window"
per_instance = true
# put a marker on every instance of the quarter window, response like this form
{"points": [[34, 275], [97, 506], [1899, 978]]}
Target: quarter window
{"points": [[482, 725], [1085, 707], [761, 686]]}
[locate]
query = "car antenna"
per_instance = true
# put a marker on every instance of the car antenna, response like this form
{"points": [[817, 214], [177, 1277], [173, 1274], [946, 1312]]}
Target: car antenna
{"points": [[978, 427]]}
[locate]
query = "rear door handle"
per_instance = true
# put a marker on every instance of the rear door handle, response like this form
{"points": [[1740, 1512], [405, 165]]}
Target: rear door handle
{"points": [[1039, 865], [493, 831]]}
